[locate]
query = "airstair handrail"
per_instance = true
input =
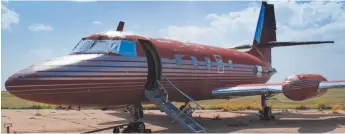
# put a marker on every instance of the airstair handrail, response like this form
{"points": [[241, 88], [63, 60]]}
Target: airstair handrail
{"points": [[182, 92]]}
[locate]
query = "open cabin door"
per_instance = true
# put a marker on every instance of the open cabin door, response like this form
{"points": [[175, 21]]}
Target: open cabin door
{"points": [[220, 70], [220, 64], [153, 64]]}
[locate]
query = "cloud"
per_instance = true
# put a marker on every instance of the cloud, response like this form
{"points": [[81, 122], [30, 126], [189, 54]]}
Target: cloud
{"points": [[97, 22], [292, 18], [40, 27], [8, 17], [316, 20]]}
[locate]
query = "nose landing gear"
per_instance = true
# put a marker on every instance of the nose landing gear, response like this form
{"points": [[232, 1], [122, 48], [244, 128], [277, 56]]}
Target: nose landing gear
{"points": [[135, 125], [138, 127]]}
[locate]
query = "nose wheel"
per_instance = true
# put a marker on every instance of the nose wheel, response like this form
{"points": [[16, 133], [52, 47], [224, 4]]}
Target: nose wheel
{"points": [[136, 125], [266, 112]]}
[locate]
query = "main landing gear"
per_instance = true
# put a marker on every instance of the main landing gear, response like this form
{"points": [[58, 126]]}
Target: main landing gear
{"points": [[136, 124], [266, 112]]}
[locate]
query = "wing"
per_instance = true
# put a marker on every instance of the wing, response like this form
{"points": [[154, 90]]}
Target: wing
{"points": [[332, 84], [258, 89], [248, 89]]}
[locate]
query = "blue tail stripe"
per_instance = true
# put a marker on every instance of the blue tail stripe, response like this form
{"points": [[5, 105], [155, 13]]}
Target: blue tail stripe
{"points": [[260, 24]]}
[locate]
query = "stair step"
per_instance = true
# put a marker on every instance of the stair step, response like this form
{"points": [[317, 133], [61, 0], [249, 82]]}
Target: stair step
{"points": [[170, 109]]}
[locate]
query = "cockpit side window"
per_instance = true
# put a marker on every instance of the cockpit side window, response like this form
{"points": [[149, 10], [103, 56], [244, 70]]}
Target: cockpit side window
{"points": [[127, 48], [83, 45], [100, 46]]}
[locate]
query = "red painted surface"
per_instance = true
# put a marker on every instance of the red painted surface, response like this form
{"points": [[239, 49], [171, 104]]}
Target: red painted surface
{"points": [[125, 87], [303, 86]]}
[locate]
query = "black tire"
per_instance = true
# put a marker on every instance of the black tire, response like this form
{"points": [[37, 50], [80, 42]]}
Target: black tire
{"points": [[116, 130], [267, 111], [273, 117], [140, 127], [126, 130], [148, 131]]}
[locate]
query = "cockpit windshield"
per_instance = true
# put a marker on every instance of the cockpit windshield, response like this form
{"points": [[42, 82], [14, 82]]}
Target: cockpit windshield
{"points": [[122, 47]]}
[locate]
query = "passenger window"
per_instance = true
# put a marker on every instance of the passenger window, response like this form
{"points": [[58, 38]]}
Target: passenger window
{"points": [[208, 62], [230, 64], [194, 61], [178, 60]]}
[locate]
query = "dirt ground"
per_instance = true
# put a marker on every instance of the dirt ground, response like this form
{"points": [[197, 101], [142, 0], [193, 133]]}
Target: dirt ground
{"points": [[306, 121]]}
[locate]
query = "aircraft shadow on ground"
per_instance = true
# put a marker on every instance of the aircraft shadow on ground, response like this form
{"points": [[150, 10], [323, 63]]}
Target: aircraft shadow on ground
{"points": [[306, 123]]}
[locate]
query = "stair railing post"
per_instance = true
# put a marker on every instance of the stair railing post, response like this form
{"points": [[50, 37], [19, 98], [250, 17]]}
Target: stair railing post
{"points": [[181, 92]]}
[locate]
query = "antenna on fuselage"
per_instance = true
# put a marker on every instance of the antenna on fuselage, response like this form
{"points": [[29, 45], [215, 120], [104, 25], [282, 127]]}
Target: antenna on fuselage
{"points": [[120, 26]]}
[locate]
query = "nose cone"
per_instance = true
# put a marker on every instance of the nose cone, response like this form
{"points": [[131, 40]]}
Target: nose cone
{"points": [[18, 84], [16, 79], [39, 82]]}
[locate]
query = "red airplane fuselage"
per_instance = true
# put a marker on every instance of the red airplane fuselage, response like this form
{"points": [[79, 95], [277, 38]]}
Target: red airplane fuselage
{"points": [[107, 79]]}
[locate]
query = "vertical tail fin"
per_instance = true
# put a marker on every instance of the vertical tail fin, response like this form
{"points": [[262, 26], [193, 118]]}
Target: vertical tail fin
{"points": [[265, 32], [265, 36], [266, 25]]}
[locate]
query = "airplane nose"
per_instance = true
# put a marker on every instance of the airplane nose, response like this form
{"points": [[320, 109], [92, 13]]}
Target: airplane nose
{"points": [[14, 83], [80, 80]]}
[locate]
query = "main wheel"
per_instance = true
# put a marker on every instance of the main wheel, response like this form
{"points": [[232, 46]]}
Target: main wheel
{"points": [[267, 111], [116, 130], [126, 130], [266, 114], [140, 127]]}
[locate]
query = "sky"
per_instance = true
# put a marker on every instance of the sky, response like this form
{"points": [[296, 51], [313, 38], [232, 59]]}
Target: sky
{"points": [[33, 32]]}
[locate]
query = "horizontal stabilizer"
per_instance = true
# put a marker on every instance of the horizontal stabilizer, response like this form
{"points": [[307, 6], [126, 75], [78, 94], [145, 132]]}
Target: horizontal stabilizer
{"points": [[247, 46], [280, 44], [283, 44]]}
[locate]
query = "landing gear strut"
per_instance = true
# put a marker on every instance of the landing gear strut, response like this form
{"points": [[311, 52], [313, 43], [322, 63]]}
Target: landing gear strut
{"points": [[266, 112], [135, 125]]}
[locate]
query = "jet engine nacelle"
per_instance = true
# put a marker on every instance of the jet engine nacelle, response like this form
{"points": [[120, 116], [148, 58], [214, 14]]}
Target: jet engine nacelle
{"points": [[303, 86]]}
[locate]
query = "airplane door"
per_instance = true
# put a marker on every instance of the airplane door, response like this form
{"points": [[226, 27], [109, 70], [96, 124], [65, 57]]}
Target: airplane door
{"points": [[153, 62], [220, 69], [220, 64]]}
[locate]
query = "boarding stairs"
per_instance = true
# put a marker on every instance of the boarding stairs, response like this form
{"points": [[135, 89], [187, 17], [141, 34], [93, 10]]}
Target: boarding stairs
{"points": [[159, 97]]}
